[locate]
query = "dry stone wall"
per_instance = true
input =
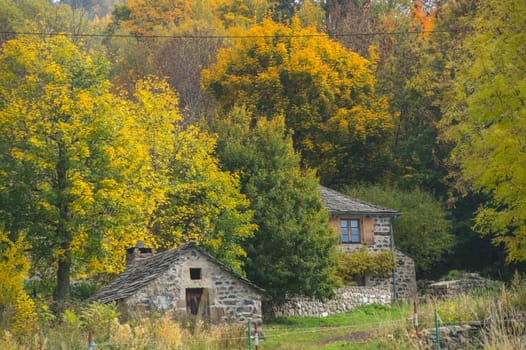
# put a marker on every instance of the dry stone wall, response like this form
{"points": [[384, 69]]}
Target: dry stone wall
{"points": [[456, 287], [345, 299], [455, 337]]}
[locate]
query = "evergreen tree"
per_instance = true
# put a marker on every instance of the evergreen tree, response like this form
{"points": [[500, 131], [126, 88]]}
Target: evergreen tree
{"points": [[293, 252]]}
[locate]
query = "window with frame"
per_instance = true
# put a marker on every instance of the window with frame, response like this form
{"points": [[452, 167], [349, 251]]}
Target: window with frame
{"points": [[350, 230]]}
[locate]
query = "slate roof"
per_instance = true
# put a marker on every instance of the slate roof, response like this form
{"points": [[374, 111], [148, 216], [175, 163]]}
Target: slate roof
{"points": [[142, 272], [339, 204]]}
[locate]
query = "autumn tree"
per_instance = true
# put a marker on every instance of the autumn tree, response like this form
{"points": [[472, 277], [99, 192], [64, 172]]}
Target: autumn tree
{"points": [[312, 13], [64, 153], [352, 22], [87, 172], [43, 16], [326, 93], [175, 44], [485, 120], [293, 250], [241, 13], [284, 10], [18, 309], [197, 200], [95, 8]]}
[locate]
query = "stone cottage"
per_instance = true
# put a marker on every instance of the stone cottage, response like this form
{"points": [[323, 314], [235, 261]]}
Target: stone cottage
{"points": [[185, 280], [359, 224], [362, 224]]}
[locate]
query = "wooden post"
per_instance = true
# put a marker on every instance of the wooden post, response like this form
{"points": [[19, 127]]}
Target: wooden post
{"points": [[249, 335], [91, 343], [256, 335], [415, 318]]}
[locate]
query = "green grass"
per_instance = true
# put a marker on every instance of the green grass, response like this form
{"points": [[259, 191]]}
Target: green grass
{"points": [[374, 344], [339, 331]]}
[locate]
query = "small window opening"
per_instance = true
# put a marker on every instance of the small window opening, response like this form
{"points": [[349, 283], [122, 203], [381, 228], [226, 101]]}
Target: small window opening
{"points": [[195, 273]]}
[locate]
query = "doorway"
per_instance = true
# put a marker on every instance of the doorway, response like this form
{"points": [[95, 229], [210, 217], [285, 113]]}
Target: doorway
{"points": [[197, 302]]}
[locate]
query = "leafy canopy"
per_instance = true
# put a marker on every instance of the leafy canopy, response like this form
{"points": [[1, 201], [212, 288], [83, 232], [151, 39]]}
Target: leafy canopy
{"points": [[86, 172], [66, 151], [326, 94], [293, 250], [486, 122]]}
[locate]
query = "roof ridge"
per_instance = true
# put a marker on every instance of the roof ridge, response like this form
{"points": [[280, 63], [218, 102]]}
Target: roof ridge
{"points": [[334, 201], [140, 273]]}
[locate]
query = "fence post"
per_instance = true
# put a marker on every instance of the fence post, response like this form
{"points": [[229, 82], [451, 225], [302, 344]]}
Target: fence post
{"points": [[91, 343], [415, 318], [249, 336], [436, 329], [256, 335]]}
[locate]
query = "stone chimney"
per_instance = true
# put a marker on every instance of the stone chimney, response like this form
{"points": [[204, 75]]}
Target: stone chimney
{"points": [[137, 253]]}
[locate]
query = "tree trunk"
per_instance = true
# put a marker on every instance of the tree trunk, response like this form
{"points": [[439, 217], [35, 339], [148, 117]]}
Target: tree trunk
{"points": [[63, 272], [63, 232]]}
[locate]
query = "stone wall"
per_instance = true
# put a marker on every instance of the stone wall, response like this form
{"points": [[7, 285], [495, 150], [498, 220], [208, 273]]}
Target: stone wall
{"points": [[456, 287], [225, 298], [406, 276], [455, 337], [345, 299]]}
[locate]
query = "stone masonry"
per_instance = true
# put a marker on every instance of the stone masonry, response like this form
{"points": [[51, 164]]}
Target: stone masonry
{"points": [[405, 265], [229, 299], [345, 299], [183, 281]]}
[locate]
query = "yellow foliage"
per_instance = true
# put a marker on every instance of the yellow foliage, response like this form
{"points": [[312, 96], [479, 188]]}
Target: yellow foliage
{"points": [[14, 266], [326, 92]]}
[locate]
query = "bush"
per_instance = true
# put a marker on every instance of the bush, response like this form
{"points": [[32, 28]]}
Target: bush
{"points": [[99, 318], [355, 266]]}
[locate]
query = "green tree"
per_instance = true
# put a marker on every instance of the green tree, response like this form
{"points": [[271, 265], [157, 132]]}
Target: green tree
{"points": [[326, 93], [284, 10], [312, 13], [423, 230], [293, 251], [486, 122]]}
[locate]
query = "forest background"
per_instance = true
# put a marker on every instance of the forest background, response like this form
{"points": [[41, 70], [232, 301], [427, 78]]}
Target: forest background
{"points": [[215, 121]]}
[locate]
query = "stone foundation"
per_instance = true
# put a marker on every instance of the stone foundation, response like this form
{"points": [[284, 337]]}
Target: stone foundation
{"points": [[345, 299]]}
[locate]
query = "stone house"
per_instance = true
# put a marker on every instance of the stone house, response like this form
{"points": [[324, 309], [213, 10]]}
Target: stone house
{"points": [[182, 281], [361, 224]]}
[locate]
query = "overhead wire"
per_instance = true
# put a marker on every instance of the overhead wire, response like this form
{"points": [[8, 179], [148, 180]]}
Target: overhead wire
{"points": [[223, 37]]}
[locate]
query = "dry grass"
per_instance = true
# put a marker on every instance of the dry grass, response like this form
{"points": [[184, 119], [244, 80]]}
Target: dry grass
{"points": [[502, 309], [163, 333]]}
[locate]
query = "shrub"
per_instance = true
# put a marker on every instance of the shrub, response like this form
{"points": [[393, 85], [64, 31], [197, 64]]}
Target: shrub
{"points": [[99, 318], [354, 266]]}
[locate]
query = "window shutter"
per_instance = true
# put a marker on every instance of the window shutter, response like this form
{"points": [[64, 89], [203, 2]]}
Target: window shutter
{"points": [[368, 230]]}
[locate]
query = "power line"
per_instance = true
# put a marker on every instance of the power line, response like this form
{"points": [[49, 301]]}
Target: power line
{"points": [[222, 37]]}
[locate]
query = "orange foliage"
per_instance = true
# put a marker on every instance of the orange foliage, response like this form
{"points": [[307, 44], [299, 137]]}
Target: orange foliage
{"points": [[422, 19]]}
